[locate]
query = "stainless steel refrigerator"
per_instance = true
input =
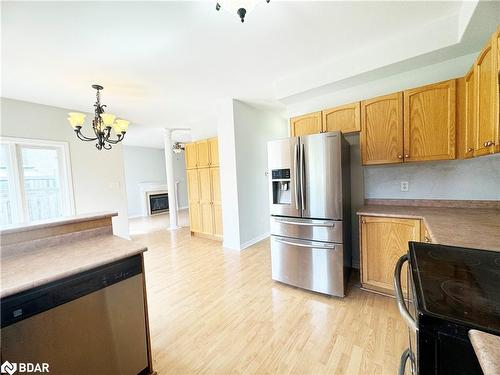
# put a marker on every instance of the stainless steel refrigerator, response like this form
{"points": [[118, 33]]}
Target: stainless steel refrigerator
{"points": [[309, 188]]}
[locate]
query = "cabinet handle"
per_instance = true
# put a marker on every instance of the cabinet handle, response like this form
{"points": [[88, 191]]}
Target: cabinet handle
{"points": [[407, 155], [427, 239], [400, 156], [470, 149], [491, 143]]}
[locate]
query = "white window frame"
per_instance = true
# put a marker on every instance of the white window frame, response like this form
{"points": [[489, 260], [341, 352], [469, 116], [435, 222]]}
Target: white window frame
{"points": [[21, 215]]}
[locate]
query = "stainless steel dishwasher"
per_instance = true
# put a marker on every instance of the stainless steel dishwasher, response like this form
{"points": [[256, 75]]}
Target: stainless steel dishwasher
{"points": [[90, 323]]}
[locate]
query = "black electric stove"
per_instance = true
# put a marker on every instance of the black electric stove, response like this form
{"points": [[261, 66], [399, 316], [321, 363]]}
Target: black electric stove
{"points": [[454, 290]]}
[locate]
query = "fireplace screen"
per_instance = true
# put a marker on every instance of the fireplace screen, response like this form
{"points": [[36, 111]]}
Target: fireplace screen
{"points": [[158, 203]]}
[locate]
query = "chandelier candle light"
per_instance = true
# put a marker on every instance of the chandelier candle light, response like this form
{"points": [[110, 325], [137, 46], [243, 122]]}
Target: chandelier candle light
{"points": [[101, 124]]}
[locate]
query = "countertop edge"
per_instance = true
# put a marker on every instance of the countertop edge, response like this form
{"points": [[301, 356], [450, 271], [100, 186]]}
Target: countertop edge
{"points": [[58, 222], [4, 293], [487, 348]]}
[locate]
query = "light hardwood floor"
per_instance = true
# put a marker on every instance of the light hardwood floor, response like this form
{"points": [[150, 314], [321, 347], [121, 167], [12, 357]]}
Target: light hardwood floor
{"points": [[217, 311]]}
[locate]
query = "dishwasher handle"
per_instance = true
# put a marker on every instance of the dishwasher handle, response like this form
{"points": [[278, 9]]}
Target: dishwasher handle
{"points": [[410, 322]]}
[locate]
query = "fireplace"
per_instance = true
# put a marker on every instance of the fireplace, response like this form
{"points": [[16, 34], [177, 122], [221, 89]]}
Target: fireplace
{"points": [[158, 203]]}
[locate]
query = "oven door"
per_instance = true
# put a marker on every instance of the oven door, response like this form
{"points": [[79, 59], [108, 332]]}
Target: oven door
{"points": [[409, 315]]}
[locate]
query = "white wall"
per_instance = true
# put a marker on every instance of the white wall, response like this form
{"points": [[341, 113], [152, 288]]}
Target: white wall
{"points": [[253, 129], [142, 164], [243, 135], [228, 174], [146, 164], [98, 176]]}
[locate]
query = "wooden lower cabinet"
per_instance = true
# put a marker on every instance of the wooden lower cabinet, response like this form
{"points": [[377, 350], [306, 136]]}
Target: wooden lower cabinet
{"points": [[383, 240]]}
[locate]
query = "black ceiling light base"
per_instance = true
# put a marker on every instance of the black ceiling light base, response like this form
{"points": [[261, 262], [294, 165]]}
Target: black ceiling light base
{"points": [[97, 87], [241, 12]]}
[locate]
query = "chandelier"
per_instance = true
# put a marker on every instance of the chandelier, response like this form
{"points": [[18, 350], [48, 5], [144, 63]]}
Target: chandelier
{"points": [[101, 124], [240, 7]]}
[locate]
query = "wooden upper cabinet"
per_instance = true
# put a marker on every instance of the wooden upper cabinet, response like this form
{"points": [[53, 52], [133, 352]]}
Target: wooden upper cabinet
{"points": [[306, 124], [487, 127], [381, 138], [345, 118], [383, 241], [429, 122], [191, 155], [466, 115], [213, 144], [203, 153]]}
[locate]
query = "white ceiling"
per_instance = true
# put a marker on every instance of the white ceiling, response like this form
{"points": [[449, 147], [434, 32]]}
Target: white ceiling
{"points": [[166, 64]]}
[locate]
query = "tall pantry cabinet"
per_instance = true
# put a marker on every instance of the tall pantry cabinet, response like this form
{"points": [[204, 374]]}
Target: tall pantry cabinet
{"points": [[202, 169]]}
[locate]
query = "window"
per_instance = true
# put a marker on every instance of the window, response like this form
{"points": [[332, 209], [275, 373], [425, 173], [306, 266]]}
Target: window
{"points": [[35, 181]]}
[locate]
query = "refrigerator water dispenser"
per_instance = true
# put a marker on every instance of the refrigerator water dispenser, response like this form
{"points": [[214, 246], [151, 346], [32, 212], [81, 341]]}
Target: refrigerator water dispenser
{"points": [[281, 186]]}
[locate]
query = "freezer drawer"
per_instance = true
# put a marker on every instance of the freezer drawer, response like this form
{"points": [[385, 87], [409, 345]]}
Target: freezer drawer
{"points": [[312, 265], [307, 229]]}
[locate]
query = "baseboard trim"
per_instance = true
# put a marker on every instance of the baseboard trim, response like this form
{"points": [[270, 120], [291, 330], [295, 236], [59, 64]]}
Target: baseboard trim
{"points": [[254, 240], [135, 216]]}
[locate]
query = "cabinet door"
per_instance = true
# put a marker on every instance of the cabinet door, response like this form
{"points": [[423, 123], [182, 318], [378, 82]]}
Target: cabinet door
{"points": [[496, 84], [213, 144], [195, 217], [193, 185], [203, 153], [216, 202], [306, 124], [381, 138], [488, 98], [429, 122], [466, 115], [345, 118], [194, 200], [191, 155], [486, 128], [205, 200], [383, 241]]}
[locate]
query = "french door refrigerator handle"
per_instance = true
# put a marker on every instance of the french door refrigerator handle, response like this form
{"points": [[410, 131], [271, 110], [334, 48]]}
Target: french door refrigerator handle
{"points": [[332, 247], [410, 322], [305, 223], [295, 168], [302, 177]]}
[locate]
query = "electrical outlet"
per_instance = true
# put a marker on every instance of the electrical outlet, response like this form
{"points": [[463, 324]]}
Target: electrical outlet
{"points": [[405, 185]]}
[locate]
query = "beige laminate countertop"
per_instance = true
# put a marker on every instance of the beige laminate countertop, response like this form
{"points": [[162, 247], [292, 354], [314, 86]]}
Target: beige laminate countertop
{"points": [[487, 348], [22, 270], [465, 227]]}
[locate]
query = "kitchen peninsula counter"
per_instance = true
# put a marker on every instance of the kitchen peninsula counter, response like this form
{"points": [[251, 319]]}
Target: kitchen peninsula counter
{"points": [[38, 254]]}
